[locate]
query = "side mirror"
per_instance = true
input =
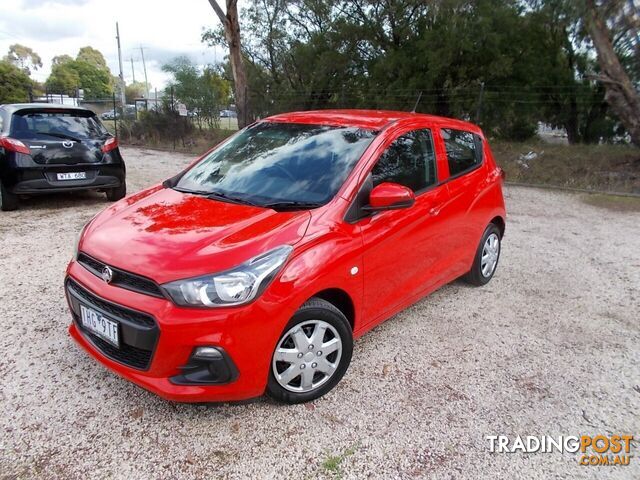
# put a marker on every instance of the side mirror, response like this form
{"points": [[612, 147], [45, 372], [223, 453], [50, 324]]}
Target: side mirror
{"points": [[390, 196]]}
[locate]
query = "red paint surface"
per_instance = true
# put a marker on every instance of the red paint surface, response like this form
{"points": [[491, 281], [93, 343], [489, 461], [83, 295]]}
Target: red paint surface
{"points": [[401, 255]]}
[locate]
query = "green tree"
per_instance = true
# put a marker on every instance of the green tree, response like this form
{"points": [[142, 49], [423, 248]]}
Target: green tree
{"points": [[24, 58], [135, 90], [15, 83], [88, 71], [202, 91], [93, 57], [64, 77]]}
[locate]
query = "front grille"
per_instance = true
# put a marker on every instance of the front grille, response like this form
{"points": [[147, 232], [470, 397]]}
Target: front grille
{"points": [[139, 331], [121, 278], [115, 310], [132, 356]]}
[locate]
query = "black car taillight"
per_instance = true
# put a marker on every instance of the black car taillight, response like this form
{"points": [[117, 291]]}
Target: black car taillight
{"points": [[110, 144], [14, 145]]}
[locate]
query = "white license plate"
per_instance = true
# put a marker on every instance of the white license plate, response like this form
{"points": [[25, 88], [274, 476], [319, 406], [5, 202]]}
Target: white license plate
{"points": [[98, 324], [72, 176]]}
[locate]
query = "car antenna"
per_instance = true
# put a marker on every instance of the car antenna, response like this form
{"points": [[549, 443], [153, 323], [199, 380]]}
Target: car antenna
{"points": [[417, 102]]}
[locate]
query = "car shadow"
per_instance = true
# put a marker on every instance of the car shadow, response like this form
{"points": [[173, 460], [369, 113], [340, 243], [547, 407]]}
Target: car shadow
{"points": [[62, 200]]}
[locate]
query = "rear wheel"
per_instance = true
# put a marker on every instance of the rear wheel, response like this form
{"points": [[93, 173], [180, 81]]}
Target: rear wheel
{"points": [[312, 354], [8, 200], [114, 194], [487, 256]]}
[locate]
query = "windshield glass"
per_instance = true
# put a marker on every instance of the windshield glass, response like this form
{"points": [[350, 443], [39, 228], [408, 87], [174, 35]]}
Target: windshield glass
{"points": [[43, 125], [280, 163]]}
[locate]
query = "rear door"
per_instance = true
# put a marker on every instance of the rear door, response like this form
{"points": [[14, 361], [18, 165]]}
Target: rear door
{"points": [[403, 248], [467, 175], [62, 136]]}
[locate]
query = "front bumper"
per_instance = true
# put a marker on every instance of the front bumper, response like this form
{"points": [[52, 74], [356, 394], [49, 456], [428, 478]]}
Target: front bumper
{"points": [[246, 334], [30, 181]]}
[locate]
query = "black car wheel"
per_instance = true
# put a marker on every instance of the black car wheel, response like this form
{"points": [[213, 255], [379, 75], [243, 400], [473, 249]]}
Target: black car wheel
{"points": [[487, 256], [8, 200], [114, 194], [312, 354]]}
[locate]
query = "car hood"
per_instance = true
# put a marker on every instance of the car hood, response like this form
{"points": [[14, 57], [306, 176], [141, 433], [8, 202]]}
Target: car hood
{"points": [[167, 235]]}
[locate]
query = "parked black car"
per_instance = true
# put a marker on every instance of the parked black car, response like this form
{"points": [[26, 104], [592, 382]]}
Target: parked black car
{"points": [[55, 148]]}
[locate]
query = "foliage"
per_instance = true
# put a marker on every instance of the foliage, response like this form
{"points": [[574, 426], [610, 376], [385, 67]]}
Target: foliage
{"points": [[15, 83], [203, 91], [24, 58], [88, 71], [529, 58], [135, 90], [153, 127]]}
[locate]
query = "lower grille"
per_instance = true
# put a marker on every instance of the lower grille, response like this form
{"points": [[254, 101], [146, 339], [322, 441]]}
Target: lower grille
{"points": [[139, 331], [131, 356]]}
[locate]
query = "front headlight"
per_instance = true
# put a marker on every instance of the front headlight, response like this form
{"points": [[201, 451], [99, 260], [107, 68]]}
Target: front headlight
{"points": [[233, 287]]}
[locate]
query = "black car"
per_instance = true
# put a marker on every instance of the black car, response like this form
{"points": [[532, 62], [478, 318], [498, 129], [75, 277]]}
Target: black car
{"points": [[56, 148]]}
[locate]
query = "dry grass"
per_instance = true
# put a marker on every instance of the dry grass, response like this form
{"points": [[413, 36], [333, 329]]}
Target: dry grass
{"points": [[196, 144], [613, 202], [610, 168], [614, 168]]}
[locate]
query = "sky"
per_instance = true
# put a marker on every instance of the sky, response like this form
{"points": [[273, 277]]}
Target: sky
{"points": [[165, 29]]}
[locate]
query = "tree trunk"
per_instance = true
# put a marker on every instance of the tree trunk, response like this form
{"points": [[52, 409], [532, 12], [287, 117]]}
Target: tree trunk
{"points": [[231, 25], [620, 93]]}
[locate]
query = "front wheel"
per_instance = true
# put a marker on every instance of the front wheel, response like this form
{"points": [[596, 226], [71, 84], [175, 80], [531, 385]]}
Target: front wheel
{"points": [[487, 256], [312, 354], [114, 194]]}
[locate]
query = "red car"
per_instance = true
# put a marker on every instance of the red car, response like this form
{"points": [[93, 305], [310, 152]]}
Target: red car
{"points": [[254, 269]]}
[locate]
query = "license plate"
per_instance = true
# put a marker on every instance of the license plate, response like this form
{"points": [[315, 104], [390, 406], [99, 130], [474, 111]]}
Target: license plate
{"points": [[99, 325], [72, 176]]}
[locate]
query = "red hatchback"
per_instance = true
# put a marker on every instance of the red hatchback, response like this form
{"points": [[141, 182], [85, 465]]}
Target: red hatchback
{"points": [[255, 268]]}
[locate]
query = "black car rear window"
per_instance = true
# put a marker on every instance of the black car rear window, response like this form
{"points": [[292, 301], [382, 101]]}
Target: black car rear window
{"points": [[48, 125]]}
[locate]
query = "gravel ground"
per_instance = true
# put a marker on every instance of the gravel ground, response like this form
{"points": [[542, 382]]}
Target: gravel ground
{"points": [[550, 346]]}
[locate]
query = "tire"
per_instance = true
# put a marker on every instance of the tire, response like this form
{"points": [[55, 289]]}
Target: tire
{"points": [[118, 193], [479, 274], [320, 317], [8, 200]]}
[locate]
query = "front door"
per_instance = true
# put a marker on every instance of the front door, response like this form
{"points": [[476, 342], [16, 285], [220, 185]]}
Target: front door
{"points": [[403, 248]]}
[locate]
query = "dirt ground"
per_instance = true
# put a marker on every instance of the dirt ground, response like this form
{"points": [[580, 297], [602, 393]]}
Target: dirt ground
{"points": [[551, 346]]}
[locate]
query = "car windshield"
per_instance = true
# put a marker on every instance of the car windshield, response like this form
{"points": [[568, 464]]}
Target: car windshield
{"points": [[47, 125], [280, 163]]}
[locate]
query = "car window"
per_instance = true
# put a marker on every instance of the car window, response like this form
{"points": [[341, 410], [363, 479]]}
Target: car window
{"points": [[280, 162], [409, 161], [43, 125], [464, 150]]}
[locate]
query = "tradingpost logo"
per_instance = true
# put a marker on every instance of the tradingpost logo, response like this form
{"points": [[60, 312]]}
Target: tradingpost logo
{"points": [[593, 450]]}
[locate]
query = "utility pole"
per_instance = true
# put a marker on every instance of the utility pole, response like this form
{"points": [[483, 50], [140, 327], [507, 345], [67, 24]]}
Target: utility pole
{"points": [[144, 66], [122, 98], [133, 72]]}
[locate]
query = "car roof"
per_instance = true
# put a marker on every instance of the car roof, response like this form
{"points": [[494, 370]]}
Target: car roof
{"points": [[16, 107], [368, 119]]}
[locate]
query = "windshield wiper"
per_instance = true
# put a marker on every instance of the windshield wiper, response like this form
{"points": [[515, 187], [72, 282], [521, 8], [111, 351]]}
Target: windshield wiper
{"points": [[217, 196], [231, 198], [206, 193], [60, 135], [291, 205]]}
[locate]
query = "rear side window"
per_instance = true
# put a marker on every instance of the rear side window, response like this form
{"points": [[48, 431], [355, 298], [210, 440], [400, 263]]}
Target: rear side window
{"points": [[45, 125], [409, 161], [464, 150]]}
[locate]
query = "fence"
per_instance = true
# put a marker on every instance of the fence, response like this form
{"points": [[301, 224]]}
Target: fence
{"points": [[560, 113]]}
